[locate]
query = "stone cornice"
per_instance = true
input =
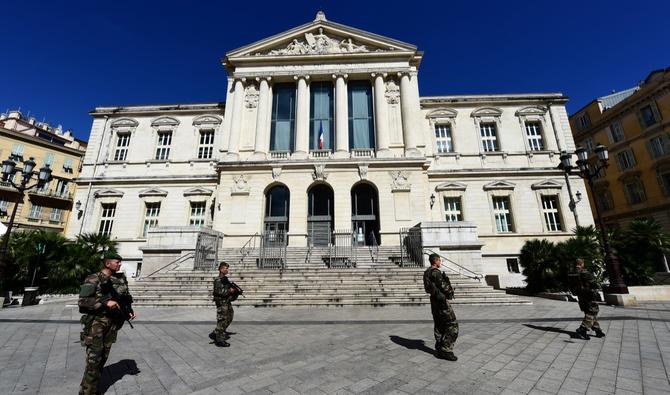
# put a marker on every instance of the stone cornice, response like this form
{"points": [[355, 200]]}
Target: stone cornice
{"points": [[351, 163], [494, 99], [498, 172], [186, 179], [160, 109], [41, 142], [319, 72]]}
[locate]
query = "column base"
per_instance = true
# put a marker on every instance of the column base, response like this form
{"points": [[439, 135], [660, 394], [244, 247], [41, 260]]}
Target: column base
{"points": [[413, 153], [299, 155], [232, 157], [258, 156], [341, 155], [384, 154]]}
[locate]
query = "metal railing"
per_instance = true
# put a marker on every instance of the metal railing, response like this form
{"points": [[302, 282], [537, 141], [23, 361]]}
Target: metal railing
{"points": [[362, 153], [65, 195], [273, 250], [341, 252], [249, 246], [279, 154], [455, 267], [374, 247], [206, 252], [411, 247], [319, 153], [171, 264]]}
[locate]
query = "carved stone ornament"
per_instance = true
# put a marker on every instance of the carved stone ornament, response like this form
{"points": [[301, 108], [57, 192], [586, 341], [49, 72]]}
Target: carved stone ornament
{"points": [[251, 96], [400, 180], [276, 172], [240, 184], [392, 92], [319, 172], [318, 44], [363, 171]]}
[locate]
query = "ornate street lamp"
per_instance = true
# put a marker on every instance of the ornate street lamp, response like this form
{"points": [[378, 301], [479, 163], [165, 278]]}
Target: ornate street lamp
{"points": [[9, 169], [617, 285]]}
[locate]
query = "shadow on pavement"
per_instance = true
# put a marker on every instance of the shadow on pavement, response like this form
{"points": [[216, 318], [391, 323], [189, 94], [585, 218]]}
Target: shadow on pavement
{"points": [[115, 372], [572, 334], [412, 344]]}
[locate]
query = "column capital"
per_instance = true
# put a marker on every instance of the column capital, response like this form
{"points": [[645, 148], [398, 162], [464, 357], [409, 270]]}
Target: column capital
{"points": [[298, 77], [240, 79], [267, 79], [343, 75], [383, 75]]}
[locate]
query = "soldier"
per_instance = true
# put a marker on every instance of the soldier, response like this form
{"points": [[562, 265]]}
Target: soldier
{"points": [[437, 284], [224, 293], [102, 317], [587, 291]]}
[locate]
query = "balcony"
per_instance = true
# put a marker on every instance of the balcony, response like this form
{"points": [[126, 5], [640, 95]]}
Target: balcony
{"points": [[319, 154], [63, 195], [362, 153], [279, 154]]}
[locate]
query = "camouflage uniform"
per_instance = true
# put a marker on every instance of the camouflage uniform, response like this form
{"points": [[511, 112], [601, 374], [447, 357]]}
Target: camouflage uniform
{"points": [[445, 328], [224, 309], [100, 325], [588, 294]]}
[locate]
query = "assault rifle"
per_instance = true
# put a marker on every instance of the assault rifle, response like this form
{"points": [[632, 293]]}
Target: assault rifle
{"points": [[124, 301], [238, 291]]}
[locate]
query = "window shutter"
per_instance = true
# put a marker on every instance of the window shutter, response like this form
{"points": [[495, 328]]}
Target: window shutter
{"points": [[654, 109], [650, 149], [664, 188], [610, 134], [640, 120]]}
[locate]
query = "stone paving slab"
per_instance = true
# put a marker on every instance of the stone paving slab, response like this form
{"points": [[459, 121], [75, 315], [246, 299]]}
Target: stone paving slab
{"points": [[527, 349]]}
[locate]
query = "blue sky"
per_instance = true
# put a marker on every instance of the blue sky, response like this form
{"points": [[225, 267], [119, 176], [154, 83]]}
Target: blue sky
{"points": [[63, 58]]}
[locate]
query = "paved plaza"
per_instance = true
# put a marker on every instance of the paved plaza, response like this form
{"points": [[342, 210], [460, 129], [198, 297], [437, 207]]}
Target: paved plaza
{"points": [[501, 349]]}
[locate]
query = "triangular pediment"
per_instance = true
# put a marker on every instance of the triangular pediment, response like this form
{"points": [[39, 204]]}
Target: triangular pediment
{"points": [[547, 184], [153, 192], [451, 186], [499, 185], [320, 38], [124, 123], [531, 110], [104, 193], [486, 112], [207, 120], [165, 121], [198, 192], [442, 113]]}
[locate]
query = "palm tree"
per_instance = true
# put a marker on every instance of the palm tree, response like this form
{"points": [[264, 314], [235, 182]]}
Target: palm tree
{"points": [[641, 249], [539, 266]]}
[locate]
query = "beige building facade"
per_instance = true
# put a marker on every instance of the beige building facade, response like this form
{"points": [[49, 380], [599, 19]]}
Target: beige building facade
{"points": [[323, 132], [48, 208]]}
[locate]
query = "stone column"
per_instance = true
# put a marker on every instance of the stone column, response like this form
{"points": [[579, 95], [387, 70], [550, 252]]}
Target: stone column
{"points": [[381, 117], [302, 119], [409, 127], [236, 121], [419, 136], [341, 117], [260, 150]]}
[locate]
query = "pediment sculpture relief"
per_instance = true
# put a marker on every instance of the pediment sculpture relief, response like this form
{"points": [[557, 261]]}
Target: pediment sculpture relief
{"points": [[392, 92], [318, 44]]}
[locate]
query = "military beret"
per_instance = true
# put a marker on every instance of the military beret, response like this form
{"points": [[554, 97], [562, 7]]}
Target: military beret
{"points": [[110, 254]]}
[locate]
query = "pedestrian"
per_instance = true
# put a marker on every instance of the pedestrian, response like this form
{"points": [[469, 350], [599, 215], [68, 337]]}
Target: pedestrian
{"points": [[445, 329], [586, 288], [105, 302], [224, 293]]}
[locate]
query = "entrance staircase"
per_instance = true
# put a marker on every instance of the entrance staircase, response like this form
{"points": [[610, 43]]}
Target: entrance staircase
{"points": [[306, 280]]}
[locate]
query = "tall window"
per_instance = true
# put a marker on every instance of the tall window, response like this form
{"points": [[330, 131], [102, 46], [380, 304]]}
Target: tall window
{"points": [[534, 135], [49, 159], [625, 160], [151, 216], [443, 138], [122, 144], [452, 209], [604, 200], [583, 121], [163, 146], [283, 117], [502, 214], [551, 215], [361, 122], [616, 132], [55, 215], [647, 116], [321, 116], [513, 265], [17, 152], [197, 217], [67, 165], [588, 145], [634, 190], [489, 137], [35, 211], [663, 176], [107, 218], [659, 146], [61, 187], [206, 144], [4, 207]]}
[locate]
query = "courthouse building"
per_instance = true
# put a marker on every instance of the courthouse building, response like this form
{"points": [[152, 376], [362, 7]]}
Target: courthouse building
{"points": [[324, 130]]}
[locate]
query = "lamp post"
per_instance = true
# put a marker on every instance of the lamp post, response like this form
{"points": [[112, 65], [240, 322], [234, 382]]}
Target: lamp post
{"points": [[9, 169], [617, 285]]}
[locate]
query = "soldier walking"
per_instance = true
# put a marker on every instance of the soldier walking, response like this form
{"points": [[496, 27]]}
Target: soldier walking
{"points": [[224, 294], [105, 301], [437, 284], [586, 288]]}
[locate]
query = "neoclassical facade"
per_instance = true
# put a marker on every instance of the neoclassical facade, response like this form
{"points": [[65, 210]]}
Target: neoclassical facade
{"points": [[323, 129]]}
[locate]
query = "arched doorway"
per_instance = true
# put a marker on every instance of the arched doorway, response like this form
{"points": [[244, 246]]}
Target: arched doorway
{"points": [[365, 214], [277, 201], [320, 216]]}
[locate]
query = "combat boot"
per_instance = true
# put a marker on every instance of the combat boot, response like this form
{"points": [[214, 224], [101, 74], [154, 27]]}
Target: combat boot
{"points": [[221, 343], [212, 336], [599, 332], [581, 332], [449, 356]]}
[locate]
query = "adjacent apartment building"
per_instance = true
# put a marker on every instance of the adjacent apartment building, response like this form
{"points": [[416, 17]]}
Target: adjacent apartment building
{"points": [[635, 126], [46, 208]]}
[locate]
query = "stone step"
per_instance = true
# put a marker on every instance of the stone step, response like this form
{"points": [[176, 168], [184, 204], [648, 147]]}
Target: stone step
{"points": [[330, 303]]}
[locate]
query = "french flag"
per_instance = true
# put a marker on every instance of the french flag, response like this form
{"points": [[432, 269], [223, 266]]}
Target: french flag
{"points": [[321, 135]]}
